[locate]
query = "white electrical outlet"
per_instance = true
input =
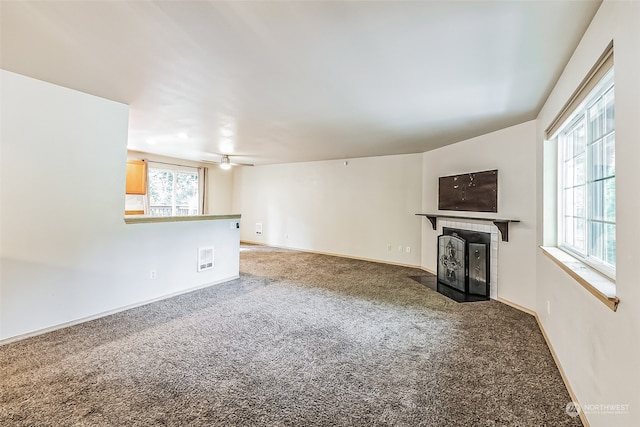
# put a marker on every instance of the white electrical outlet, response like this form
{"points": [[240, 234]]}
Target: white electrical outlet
{"points": [[152, 274], [408, 249], [259, 228], [548, 308]]}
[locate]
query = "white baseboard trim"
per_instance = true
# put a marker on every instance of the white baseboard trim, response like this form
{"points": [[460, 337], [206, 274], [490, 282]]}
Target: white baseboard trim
{"points": [[428, 270], [517, 306], [110, 312], [249, 242]]}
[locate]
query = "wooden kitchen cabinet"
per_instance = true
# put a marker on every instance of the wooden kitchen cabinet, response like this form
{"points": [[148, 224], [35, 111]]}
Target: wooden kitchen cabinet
{"points": [[136, 177]]}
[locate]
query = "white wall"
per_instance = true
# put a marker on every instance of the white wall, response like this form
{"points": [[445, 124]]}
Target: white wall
{"points": [[220, 191], [512, 152], [598, 349], [66, 252], [355, 210]]}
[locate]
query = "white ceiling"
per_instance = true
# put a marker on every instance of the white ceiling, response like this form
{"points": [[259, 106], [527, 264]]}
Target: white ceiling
{"points": [[284, 81]]}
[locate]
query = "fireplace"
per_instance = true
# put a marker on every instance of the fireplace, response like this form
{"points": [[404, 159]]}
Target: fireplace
{"points": [[464, 264]]}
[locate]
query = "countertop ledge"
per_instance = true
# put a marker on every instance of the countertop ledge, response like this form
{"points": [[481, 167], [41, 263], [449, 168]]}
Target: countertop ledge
{"points": [[145, 219]]}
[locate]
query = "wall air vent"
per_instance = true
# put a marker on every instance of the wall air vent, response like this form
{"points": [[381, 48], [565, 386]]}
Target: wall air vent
{"points": [[205, 258]]}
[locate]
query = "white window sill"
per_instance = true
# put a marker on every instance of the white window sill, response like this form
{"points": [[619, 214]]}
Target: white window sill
{"points": [[599, 285]]}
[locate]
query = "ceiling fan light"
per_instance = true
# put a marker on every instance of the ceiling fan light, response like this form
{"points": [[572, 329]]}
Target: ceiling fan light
{"points": [[225, 163]]}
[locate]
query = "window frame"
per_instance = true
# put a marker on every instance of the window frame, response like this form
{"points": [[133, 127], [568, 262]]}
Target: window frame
{"points": [[580, 117], [175, 170]]}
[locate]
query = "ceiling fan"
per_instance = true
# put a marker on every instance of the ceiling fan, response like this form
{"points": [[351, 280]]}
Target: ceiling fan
{"points": [[226, 163]]}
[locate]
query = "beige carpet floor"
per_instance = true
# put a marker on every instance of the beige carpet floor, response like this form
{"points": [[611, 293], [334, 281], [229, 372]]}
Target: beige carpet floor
{"points": [[299, 340]]}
